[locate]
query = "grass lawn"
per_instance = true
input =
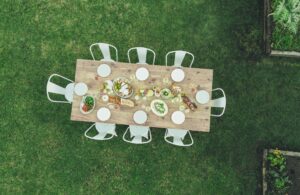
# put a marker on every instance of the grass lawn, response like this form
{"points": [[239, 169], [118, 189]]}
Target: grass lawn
{"points": [[42, 151]]}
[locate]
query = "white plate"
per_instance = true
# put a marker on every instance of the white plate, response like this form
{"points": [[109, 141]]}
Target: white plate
{"points": [[140, 117], [177, 75], [202, 97], [81, 89], [178, 117], [103, 114], [103, 70], [142, 74]]}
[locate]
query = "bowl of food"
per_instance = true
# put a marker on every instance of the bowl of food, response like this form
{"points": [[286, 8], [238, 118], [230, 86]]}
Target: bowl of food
{"points": [[87, 104], [122, 87], [159, 107], [166, 93]]}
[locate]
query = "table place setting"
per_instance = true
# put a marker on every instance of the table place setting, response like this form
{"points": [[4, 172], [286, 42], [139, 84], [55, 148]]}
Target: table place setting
{"points": [[103, 70], [142, 74], [140, 117], [178, 117], [202, 97], [177, 75], [80, 89], [103, 114]]}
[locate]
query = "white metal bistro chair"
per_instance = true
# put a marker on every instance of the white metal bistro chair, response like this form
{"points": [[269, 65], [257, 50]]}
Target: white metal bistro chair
{"points": [[103, 129], [105, 50], [179, 56], [137, 133], [178, 137], [142, 54], [56, 89], [219, 102]]}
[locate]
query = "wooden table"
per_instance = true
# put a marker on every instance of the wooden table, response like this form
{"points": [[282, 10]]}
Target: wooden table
{"points": [[195, 79]]}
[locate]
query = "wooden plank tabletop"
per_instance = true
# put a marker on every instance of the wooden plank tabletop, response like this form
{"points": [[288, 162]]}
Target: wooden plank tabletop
{"points": [[195, 79]]}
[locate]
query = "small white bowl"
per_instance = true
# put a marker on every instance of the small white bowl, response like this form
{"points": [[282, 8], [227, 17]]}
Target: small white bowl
{"points": [[105, 98], [202, 97], [140, 117], [103, 114], [178, 117], [177, 75], [80, 89], [103, 70]]}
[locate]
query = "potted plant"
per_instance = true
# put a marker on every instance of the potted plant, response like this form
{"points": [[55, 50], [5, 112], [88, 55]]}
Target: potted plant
{"points": [[281, 172], [281, 27], [277, 176]]}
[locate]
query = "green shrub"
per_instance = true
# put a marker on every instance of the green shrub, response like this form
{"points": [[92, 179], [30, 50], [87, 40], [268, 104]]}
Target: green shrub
{"points": [[278, 178], [287, 14]]}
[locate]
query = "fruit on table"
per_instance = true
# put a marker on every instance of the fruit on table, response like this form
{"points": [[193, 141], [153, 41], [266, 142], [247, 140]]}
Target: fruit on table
{"points": [[107, 85], [85, 108], [175, 90], [156, 91], [150, 93]]}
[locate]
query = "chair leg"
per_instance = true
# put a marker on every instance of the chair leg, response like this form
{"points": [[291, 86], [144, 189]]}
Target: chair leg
{"points": [[85, 133]]}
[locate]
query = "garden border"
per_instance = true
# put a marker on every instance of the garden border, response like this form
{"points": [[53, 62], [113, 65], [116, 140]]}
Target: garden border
{"points": [[268, 34], [264, 162]]}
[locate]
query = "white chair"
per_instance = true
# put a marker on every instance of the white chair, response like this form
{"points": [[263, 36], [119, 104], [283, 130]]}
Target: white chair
{"points": [[105, 50], [179, 56], [56, 89], [219, 102], [178, 137], [142, 54], [103, 129], [137, 133]]}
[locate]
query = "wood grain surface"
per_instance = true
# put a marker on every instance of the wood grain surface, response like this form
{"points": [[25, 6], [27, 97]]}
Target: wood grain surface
{"points": [[195, 79]]}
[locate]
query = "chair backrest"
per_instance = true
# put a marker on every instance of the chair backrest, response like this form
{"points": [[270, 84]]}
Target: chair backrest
{"points": [[103, 130], [56, 89], [137, 133], [178, 136], [219, 102], [105, 50], [142, 54], [179, 56]]}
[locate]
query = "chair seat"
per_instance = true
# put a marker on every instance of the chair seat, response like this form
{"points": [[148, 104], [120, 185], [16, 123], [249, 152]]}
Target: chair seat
{"points": [[178, 137], [177, 133], [139, 130], [103, 129], [106, 128], [178, 141], [99, 136], [137, 140], [69, 92]]}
